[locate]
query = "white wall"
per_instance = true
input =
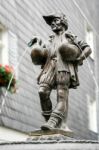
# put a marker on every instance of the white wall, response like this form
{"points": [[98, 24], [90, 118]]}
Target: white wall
{"points": [[7, 134]]}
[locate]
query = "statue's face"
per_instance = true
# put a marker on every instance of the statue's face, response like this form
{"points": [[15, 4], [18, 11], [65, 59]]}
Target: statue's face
{"points": [[56, 25]]}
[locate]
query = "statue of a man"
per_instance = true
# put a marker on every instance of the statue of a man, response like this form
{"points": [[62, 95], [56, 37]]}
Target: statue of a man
{"points": [[59, 60]]}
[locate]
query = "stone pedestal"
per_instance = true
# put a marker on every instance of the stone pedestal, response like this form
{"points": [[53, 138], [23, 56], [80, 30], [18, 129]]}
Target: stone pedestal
{"points": [[52, 135]]}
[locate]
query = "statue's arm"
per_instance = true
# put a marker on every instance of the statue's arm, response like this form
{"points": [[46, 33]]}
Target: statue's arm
{"points": [[85, 51]]}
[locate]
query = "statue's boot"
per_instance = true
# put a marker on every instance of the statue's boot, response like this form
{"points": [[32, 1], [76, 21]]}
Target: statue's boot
{"points": [[54, 121]]}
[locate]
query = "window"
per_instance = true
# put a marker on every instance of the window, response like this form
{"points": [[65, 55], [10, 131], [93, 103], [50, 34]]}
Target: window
{"points": [[13, 50], [90, 39], [3, 46], [92, 114], [8, 48]]}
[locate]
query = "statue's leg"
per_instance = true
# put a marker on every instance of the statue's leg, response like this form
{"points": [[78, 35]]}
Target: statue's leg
{"points": [[46, 104], [62, 100], [61, 108], [46, 82]]}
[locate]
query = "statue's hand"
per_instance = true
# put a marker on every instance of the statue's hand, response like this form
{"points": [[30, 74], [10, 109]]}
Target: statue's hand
{"points": [[35, 40]]}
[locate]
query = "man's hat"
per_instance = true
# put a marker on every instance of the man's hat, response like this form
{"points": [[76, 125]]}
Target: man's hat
{"points": [[50, 18]]}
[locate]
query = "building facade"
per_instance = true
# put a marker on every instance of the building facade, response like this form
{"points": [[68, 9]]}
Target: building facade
{"points": [[20, 20]]}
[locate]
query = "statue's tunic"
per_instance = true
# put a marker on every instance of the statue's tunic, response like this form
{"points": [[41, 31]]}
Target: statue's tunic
{"points": [[56, 64]]}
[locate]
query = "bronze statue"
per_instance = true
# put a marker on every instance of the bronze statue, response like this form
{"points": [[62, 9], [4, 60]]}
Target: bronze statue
{"points": [[59, 60]]}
